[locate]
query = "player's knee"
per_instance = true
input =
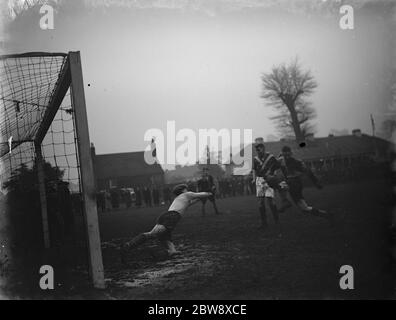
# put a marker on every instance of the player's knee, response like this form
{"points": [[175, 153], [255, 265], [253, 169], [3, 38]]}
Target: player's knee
{"points": [[148, 235], [152, 234]]}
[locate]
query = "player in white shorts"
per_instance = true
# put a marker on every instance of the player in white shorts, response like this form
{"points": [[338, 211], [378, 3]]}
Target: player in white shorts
{"points": [[263, 189], [264, 167], [167, 221]]}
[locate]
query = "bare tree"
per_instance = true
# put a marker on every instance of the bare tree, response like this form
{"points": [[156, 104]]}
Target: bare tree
{"points": [[17, 8], [390, 89], [305, 113], [285, 88], [388, 128], [389, 123]]}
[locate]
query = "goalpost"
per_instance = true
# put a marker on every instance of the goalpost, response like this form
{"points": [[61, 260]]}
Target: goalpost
{"points": [[43, 123]]}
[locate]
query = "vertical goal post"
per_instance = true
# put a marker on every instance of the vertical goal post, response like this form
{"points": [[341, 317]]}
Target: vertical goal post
{"points": [[87, 171], [33, 87]]}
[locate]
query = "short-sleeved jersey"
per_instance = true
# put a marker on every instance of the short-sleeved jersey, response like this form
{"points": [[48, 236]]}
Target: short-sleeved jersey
{"points": [[267, 164]]}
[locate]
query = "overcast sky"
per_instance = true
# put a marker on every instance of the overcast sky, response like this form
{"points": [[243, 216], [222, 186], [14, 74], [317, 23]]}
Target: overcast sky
{"points": [[201, 67]]}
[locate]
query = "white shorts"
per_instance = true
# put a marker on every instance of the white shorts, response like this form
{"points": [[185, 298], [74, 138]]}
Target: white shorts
{"points": [[263, 189]]}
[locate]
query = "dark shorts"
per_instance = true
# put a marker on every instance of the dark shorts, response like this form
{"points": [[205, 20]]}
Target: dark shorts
{"points": [[169, 219], [295, 189]]}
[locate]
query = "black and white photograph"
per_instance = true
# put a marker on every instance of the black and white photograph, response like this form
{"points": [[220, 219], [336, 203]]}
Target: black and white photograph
{"points": [[197, 155]]}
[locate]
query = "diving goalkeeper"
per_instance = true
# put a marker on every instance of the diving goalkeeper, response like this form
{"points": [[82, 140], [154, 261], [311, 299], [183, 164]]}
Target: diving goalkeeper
{"points": [[167, 221]]}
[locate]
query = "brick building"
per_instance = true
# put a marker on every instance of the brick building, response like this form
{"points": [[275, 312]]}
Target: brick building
{"points": [[125, 170]]}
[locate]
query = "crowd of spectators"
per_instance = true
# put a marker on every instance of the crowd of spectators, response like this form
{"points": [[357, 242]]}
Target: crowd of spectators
{"points": [[154, 196]]}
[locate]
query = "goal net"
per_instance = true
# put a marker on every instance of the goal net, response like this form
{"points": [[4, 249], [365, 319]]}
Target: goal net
{"points": [[40, 154], [29, 115]]}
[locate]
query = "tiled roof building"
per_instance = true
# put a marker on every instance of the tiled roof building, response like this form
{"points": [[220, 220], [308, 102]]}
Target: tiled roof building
{"points": [[128, 169]]}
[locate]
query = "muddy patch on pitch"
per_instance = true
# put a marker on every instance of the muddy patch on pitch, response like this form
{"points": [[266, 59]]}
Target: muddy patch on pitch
{"points": [[150, 267]]}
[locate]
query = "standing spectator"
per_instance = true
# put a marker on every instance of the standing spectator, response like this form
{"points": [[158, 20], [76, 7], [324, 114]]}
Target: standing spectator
{"points": [[101, 201], [156, 196], [167, 195], [115, 198], [221, 189], [233, 186], [246, 185], [138, 193], [229, 187], [240, 186], [127, 198], [107, 200], [147, 197]]}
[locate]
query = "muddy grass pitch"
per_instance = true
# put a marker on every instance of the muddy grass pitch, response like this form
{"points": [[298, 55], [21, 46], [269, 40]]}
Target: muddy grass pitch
{"points": [[228, 257]]}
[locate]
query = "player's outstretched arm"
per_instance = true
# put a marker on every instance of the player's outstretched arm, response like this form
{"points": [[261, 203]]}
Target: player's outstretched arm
{"points": [[196, 196], [199, 195]]}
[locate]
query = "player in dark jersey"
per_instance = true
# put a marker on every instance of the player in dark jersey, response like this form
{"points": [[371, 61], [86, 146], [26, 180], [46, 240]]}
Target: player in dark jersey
{"points": [[264, 167], [206, 184], [293, 170]]}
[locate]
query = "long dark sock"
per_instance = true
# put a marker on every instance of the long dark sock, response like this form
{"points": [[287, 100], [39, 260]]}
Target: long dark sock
{"points": [[275, 212], [203, 211], [137, 241], [215, 208], [263, 216]]}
